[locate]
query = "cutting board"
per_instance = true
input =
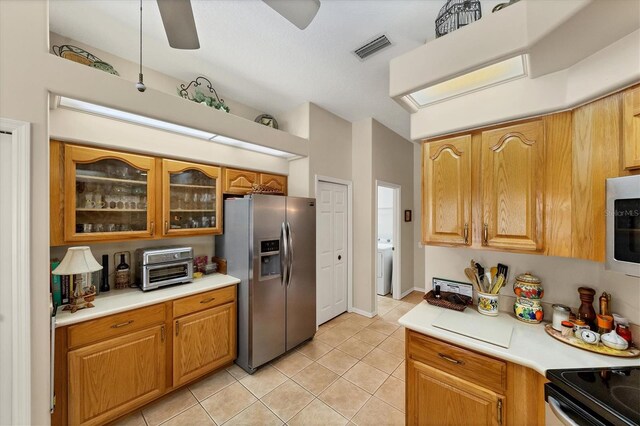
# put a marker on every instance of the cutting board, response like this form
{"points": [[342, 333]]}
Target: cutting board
{"points": [[495, 330]]}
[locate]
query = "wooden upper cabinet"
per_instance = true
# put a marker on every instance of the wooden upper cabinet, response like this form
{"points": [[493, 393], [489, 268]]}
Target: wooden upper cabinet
{"points": [[277, 182], [239, 181], [631, 132], [191, 199], [438, 398], [512, 177], [203, 341], [111, 378], [447, 191], [108, 195]]}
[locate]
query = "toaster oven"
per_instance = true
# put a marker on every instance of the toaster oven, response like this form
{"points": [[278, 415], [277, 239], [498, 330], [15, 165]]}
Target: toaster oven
{"points": [[161, 266]]}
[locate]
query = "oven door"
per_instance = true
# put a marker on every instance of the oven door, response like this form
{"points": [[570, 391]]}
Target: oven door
{"points": [[162, 274], [561, 409], [623, 225]]}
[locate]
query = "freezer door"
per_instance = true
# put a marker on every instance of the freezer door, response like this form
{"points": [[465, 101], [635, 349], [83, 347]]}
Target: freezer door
{"points": [[301, 283], [267, 289]]}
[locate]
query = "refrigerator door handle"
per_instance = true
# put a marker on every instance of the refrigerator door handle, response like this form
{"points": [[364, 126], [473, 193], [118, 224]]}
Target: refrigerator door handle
{"points": [[289, 255], [283, 255]]}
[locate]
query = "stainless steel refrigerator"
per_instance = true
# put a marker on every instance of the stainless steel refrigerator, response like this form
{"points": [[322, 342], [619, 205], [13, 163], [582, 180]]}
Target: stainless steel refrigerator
{"points": [[269, 242]]}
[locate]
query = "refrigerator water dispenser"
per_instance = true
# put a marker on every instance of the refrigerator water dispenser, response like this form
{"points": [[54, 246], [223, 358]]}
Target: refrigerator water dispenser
{"points": [[269, 259]]}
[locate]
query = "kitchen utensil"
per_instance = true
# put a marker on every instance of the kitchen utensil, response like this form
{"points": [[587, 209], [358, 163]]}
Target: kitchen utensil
{"points": [[495, 289], [586, 311], [494, 272], [471, 275]]}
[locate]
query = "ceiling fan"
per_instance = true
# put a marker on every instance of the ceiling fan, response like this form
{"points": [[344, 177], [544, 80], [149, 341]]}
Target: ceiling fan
{"points": [[180, 26]]}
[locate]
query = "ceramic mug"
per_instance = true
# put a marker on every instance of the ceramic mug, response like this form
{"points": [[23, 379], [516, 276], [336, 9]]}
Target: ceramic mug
{"points": [[488, 304]]}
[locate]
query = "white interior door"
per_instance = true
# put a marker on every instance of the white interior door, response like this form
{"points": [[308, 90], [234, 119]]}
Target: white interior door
{"points": [[332, 224]]}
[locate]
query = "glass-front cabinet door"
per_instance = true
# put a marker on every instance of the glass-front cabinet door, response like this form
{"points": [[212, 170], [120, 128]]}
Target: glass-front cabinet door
{"points": [[108, 195], [192, 198]]}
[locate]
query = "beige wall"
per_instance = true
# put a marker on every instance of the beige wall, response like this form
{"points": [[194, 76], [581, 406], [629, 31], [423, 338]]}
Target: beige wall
{"points": [[163, 82], [392, 159], [329, 146], [418, 249], [560, 276], [363, 213]]}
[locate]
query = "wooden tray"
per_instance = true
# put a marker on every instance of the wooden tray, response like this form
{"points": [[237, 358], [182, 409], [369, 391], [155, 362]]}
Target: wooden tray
{"points": [[443, 302], [601, 349]]}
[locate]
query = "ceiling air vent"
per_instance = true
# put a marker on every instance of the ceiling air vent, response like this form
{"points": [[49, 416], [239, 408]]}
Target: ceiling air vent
{"points": [[374, 46]]}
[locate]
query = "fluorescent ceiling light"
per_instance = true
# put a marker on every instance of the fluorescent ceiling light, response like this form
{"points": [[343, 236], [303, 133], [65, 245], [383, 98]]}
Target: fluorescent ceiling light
{"points": [[482, 78], [133, 118], [164, 125]]}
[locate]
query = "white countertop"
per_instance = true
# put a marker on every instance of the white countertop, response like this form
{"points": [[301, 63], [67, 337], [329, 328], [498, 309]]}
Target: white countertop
{"points": [[116, 301], [530, 346]]}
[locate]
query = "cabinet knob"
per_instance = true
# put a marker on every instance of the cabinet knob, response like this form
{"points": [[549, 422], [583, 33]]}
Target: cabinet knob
{"points": [[153, 227], [339, 257], [466, 233], [166, 226]]}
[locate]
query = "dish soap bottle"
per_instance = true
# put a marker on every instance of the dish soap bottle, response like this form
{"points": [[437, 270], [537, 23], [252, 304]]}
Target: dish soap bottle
{"points": [[122, 273]]}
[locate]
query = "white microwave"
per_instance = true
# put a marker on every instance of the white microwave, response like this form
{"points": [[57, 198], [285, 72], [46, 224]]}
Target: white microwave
{"points": [[623, 225]]}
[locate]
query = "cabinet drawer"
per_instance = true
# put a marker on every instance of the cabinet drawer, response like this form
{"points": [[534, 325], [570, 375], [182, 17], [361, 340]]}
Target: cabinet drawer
{"points": [[201, 301], [114, 325], [471, 366]]}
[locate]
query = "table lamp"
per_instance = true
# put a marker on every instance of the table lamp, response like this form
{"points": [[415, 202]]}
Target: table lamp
{"points": [[79, 260]]}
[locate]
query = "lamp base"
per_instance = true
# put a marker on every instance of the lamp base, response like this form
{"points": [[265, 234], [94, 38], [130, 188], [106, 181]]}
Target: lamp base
{"points": [[81, 302]]}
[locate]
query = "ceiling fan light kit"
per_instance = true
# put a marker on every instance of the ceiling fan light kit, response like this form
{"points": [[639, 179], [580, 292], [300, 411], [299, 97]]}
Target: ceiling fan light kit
{"points": [[300, 13], [140, 84]]}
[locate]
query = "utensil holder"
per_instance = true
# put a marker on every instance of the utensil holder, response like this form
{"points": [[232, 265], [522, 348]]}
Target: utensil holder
{"points": [[488, 304]]}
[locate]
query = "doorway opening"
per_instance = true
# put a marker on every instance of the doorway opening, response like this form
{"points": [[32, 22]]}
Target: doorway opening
{"points": [[388, 271]]}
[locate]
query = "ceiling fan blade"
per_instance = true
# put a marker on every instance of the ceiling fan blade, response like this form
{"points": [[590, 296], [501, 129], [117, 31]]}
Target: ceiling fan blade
{"points": [[177, 17], [299, 12]]}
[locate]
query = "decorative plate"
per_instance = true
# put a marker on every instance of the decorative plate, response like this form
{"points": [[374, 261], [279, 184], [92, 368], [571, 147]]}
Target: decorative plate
{"points": [[81, 56], [267, 120], [630, 352]]}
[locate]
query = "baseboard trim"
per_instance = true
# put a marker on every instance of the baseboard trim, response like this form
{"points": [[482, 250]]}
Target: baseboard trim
{"points": [[361, 312], [411, 290]]}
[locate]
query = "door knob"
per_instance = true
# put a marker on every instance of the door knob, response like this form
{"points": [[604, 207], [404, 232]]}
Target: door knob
{"points": [[339, 257]]}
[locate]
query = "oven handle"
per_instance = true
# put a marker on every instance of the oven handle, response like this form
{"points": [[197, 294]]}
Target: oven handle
{"points": [[559, 412]]}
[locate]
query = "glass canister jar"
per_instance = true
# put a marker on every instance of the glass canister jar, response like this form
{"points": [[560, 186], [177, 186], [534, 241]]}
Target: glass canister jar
{"points": [[528, 286]]}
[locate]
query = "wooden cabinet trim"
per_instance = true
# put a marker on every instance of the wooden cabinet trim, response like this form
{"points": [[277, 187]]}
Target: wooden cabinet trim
{"points": [[441, 176], [114, 325], [80, 154], [487, 372], [201, 301], [174, 166], [150, 386], [237, 181]]}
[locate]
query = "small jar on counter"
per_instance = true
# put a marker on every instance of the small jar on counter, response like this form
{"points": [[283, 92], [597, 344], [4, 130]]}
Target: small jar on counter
{"points": [[560, 313]]}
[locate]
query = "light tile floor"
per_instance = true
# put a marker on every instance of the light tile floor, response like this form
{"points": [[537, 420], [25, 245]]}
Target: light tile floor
{"points": [[352, 372]]}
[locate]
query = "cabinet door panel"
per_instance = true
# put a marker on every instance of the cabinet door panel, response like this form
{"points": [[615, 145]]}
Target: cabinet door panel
{"points": [[631, 142], [108, 195], [436, 398], [513, 185], [277, 182], [192, 199], [239, 181], [447, 191], [203, 341], [113, 377]]}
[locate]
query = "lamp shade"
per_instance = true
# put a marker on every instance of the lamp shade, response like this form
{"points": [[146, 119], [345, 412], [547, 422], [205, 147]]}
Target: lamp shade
{"points": [[78, 260]]}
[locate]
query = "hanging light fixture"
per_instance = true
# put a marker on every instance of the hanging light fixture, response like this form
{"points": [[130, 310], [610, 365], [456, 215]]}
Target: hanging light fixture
{"points": [[140, 84]]}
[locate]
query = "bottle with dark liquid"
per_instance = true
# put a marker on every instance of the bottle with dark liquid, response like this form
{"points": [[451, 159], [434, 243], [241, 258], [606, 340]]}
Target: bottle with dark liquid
{"points": [[122, 273]]}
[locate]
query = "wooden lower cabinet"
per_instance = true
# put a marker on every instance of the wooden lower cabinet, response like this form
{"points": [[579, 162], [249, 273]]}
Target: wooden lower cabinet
{"points": [[437, 398], [203, 341], [113, 377], [110, 366], [450, 385]]}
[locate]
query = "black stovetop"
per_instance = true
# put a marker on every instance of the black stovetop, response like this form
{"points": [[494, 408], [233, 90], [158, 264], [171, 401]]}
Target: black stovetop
{"points": [[607, 391]]}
